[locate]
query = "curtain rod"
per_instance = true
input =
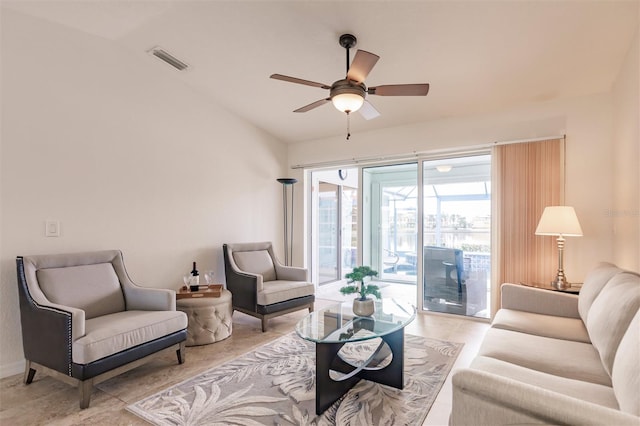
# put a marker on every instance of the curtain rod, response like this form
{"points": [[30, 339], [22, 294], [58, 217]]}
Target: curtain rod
{"points": [[433, 154]]}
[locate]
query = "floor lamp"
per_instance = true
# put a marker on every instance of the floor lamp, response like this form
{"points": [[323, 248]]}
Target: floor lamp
{"points": [[563, 222], [288, 224]]}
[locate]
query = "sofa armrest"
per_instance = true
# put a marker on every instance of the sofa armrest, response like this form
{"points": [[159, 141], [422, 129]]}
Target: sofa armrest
{"points": [[539, 301], [149, 299], [291, 273], [488, 399]]}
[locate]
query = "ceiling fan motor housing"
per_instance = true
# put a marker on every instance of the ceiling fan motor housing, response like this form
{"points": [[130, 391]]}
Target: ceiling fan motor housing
{"points": [[347, 86]]}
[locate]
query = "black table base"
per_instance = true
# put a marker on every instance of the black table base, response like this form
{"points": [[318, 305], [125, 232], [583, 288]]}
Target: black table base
{"points": [[330, 390]]}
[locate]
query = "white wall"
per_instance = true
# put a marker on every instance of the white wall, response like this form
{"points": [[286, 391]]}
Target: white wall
{"points": [[587, 123], [625, 214], [124, 156]]}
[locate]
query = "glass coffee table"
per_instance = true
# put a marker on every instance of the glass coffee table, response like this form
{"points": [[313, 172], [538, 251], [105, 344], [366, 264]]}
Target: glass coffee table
{"points": [[333, 327]]}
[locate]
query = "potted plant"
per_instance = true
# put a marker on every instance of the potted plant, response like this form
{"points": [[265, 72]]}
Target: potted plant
{"points": [[362, 306]]}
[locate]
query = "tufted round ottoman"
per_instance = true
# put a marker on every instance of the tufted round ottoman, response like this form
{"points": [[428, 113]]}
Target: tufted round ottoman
{"points": [[209, 318]]}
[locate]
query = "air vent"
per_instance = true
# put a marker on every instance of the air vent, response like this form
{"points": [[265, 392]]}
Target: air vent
{"points": [[168, 58]]}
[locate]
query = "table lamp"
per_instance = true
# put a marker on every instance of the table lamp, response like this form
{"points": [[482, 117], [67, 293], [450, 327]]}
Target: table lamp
{"points": [[563, 222]]}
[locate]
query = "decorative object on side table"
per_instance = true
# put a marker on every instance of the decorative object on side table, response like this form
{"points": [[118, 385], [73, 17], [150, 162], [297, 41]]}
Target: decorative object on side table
{"points": [[362, 306], [563, 222]]}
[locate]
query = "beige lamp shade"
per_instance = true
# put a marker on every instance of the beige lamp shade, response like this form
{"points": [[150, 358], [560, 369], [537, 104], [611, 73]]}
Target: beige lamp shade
{"points": [[559, 220]]}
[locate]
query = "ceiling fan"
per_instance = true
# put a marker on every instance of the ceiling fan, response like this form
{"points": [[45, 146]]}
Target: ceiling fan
{"points": [[348, 95]]}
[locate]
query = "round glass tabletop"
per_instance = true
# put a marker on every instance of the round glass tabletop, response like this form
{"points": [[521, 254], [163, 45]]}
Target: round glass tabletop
{"points": [[338, 323]]}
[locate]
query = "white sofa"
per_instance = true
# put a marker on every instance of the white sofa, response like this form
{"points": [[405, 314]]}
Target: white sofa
{"points": [[558, 358]]}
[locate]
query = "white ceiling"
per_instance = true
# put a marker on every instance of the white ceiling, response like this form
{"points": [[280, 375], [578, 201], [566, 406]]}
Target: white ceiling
{"points": [[478, 56]]}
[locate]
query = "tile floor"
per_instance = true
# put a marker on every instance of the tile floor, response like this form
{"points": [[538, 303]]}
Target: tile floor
{"points": [[50, 402]]}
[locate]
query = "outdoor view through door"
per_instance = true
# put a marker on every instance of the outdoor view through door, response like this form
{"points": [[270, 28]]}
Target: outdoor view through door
{"points": [[437, 234], [457, 235]]}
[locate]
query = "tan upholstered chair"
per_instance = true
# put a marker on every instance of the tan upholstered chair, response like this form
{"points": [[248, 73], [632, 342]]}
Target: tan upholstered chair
{"points": [[84, 321], [261, 286]]}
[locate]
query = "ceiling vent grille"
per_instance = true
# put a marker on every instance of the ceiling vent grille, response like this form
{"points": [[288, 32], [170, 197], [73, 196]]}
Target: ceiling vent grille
{"points": [[168, 58]]}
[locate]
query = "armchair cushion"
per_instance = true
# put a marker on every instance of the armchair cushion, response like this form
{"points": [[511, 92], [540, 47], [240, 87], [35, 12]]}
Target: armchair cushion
{"points": [[256, 262], [93, 288], [113, 333], [280, 291]]}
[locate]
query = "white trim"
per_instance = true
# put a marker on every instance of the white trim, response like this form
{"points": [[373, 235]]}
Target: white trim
{"points": [[418, 155]]}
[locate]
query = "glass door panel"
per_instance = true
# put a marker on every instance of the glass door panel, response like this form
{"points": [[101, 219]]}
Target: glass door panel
{"points": [[334, 237], [390, 221], [328, 208], [349, 226], [457, 235]]}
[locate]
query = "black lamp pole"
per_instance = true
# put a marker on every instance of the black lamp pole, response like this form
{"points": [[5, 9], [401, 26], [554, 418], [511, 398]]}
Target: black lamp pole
{"points": [[288, 235]]}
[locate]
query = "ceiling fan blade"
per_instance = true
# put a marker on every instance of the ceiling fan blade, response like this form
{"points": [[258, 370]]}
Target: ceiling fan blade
{"points": [[362, 65], [299, 81], [313, 105], [368, 111], [400, 90]]}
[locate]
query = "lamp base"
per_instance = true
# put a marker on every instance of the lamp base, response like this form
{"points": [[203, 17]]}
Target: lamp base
{"points": [[560, 283]]}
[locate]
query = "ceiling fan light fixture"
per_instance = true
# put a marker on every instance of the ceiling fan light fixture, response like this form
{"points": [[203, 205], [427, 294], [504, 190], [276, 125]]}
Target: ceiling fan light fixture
{"points": [[347, 102], [347, 96]]}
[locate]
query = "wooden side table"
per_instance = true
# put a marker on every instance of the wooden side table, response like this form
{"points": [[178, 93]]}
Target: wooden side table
{"points": [[574, 289]]}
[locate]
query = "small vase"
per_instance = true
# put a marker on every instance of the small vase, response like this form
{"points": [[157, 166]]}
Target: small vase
{"points": [[363, 308]]}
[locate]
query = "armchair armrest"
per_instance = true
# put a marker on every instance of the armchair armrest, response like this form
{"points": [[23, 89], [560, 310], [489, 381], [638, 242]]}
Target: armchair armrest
{"points": [[539, 301], [480, 397], [149, 299], [291, 273]]}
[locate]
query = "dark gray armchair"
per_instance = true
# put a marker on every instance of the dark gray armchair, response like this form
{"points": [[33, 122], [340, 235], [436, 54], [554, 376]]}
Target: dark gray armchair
{"points": [[261, 286], [84, 321]]}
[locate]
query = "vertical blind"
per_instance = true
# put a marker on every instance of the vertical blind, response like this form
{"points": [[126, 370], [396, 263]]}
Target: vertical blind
{"points": [[529, 177]]}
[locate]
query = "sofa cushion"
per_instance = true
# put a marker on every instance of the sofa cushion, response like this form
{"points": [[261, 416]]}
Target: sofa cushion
{"points": [[593, 284], [280, 291], [564, 358], [592, 392], [625, 374], [610, 314], [256, 262], [93, 288], [541, 325], [110, 334]]}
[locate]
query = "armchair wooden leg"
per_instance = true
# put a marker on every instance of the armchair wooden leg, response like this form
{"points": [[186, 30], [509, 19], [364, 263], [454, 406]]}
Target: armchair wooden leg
{"points": [[180, 353], [28, 373], [311, 308], [264, 324], [85, 387]]}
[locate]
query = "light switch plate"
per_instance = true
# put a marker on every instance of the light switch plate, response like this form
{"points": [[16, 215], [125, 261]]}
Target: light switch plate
{"points": [[52, 228]]}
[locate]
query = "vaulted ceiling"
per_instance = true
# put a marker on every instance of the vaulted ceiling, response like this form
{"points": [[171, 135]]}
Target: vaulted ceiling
{"points": [[478, 56]]}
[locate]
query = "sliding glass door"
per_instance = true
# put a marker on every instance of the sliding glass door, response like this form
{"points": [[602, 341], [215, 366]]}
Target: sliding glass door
{"points": [[335, 219], [457, 235], [390, 198], [425, 227]]}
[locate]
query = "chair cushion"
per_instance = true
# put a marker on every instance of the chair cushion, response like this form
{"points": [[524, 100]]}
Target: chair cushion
{"points": [[93, 288], [280, 291], [113, 333], [256, 262]]}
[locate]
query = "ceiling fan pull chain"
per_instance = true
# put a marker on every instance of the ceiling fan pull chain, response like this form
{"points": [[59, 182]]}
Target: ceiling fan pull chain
{"points": [[348, 125]]}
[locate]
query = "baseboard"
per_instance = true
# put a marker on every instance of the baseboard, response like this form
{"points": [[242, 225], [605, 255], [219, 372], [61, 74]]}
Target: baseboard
{"points": [[12, 369]]}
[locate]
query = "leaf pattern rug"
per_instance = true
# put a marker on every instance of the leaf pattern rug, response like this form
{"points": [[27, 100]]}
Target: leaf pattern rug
{"points": [[275, 385]]}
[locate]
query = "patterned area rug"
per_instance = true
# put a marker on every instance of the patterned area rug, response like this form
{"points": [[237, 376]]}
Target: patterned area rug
{"points": [[275, 385]]}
